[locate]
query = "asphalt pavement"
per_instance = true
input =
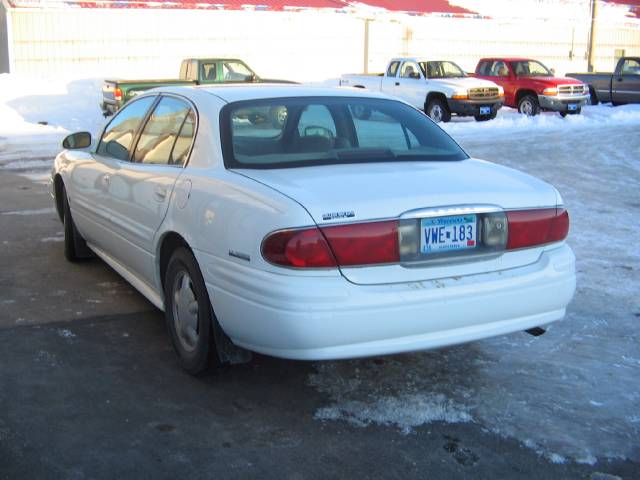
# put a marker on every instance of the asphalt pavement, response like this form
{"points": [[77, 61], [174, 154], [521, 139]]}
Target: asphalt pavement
{"points": [[89, 388]]}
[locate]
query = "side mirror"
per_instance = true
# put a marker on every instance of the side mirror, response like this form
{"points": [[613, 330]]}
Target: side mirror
{"points": [[553, 71], [77, 141]]}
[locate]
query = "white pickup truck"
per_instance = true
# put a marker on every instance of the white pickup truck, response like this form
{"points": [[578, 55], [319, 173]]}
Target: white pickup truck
{"points": [[440, 88]]}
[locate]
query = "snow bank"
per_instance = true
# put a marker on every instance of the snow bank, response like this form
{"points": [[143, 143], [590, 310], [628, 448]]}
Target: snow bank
{"points": [[36, 113]]}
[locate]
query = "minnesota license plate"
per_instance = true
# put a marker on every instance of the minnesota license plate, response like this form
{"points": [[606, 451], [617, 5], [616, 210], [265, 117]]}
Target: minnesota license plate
{"points": [[444, 234], [485, 110], [572, 107]]}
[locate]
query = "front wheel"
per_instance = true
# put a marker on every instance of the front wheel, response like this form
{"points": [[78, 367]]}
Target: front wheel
{"points": [[188, 313], [438, 111], [529, 106]]}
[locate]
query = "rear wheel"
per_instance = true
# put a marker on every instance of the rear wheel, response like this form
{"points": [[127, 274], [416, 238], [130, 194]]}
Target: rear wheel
{"points": [[188, 313], [361, 112], [528, 105], [75, 247], [438, 111]]}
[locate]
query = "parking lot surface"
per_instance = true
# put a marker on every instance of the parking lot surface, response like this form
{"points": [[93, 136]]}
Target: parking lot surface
{"points": [[89, 386]]}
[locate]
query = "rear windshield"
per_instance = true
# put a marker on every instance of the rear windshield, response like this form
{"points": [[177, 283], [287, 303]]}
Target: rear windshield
{"points": [[310, 131]]}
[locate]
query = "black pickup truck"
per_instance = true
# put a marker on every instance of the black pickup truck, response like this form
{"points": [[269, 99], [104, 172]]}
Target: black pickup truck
{"points": [[619, 87]]}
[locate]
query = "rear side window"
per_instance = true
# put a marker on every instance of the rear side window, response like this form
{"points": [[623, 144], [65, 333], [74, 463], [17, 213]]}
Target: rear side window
{"points": [[311, 131], [631, 66], [209, 71], [393, 69], [160, 134], [118, 137]]}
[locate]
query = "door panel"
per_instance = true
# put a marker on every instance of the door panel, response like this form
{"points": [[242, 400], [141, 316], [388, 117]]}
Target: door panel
{"points": [[140, 190]]}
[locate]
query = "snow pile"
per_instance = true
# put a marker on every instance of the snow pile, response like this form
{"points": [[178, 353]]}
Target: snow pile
{"points": [[36, 113], [509, 121]]}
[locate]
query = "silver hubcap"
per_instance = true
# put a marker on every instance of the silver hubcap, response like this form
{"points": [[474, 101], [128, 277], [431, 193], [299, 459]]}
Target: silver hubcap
{"points": [[185, 311], [436, 113], [526, 107]]}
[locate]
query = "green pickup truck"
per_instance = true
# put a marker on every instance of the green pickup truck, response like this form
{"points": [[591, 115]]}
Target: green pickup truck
{"points": [[193, 71]]}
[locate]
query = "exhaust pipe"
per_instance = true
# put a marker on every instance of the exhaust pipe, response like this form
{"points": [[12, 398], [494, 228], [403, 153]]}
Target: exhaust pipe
{"points": [[536, 331]]}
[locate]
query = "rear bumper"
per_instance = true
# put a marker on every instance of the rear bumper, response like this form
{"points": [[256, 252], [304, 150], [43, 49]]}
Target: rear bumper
{"points": [[317, 318], [465, 108], [561, 104]]}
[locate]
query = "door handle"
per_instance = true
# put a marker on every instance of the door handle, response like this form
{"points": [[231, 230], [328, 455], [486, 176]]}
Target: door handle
{"points": [[397, 84], [160, 193], [619, 79]]}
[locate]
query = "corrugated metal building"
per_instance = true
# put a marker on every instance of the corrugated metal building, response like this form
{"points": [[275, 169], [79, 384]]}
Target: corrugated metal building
{"points": [[300, 39]]}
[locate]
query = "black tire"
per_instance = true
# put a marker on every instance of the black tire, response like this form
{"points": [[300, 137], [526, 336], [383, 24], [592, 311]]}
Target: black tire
{"points": [[75, 247], [361, 112], [184, 290], [593, 96], [438, 111], [528, 105], [278, 116], [484, 118]]}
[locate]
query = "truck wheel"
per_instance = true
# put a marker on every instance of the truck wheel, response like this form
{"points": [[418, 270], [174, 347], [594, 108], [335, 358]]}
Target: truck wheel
{"points": [[593, 97], [438, 111], [529, 106], [361, 112], [278, 116], [188, 313], [484, 118]]}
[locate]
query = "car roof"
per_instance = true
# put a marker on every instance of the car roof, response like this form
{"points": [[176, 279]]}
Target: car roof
{"points": [[238, 92], [509, 59]]}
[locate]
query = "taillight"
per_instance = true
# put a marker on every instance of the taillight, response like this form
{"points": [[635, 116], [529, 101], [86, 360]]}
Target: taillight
{"points": [[372, 243], [528, 228], [304, 248], [117, 94]]}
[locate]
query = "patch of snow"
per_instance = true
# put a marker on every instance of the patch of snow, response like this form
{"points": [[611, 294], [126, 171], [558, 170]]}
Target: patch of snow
{"points": [[65, 333], [52, 239], [37, 211]]}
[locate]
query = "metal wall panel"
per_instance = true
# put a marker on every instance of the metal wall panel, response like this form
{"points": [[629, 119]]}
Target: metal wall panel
{"points": [[299, 46]]}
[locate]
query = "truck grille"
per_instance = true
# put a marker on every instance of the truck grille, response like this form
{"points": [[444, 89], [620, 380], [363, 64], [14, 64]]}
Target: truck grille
{"points": [[483, 92], [571, 89]]}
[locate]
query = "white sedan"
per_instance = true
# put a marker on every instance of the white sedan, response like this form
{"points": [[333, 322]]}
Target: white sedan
{"points": [[280, 220]]}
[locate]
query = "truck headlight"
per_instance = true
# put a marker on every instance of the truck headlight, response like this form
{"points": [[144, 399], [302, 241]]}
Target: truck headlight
{"points": [[551, 91]]}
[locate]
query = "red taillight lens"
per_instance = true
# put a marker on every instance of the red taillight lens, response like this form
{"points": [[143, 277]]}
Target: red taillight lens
{"points": [[364, 243], [528, 228], [117, 94], [345, 245], [306, 248]]}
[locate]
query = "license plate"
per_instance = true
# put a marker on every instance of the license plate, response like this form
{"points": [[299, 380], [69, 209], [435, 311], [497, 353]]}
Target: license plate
{"points": [[485, 110], [572, 107], [444, 234]]}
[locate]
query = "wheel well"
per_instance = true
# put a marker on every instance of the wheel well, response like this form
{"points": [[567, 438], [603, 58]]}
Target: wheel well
{"points": [[170, 242], [522, 93], [58, 187], [433, 95]]}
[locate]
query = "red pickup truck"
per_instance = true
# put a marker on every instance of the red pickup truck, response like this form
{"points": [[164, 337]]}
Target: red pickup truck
{"points": [[531, 87]]}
